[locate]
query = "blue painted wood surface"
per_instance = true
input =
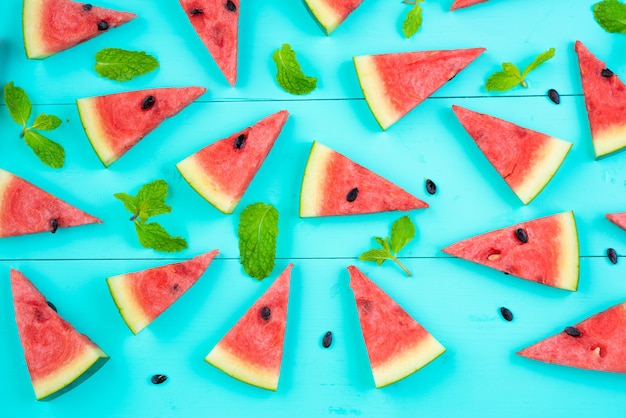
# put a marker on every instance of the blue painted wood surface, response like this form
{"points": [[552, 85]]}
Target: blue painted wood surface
{"points": [[479, 375]]}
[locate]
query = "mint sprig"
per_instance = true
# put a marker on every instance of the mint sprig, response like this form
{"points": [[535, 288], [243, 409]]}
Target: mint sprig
{"points": [[49, 152], [610, 15], [413, 20], [123, 65], [289, 75], [510, 76], [402, 232], [258, 230], [150, 201]]}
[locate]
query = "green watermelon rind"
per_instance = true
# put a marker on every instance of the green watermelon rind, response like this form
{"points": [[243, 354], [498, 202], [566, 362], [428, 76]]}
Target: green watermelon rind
{"points": [[90, 119], [373, 91], [323, 14], [314, 177], [131, 312], [206, 186], [610, 141], [241, 370]]}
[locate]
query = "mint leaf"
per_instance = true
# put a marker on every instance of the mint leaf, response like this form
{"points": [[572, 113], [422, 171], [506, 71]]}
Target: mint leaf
{"points": [[610, 15], [45, 122], [540, 59], [49, 152], [152, 235], [402, 232], [258, 230], [18, 103], [413, 20], [383, 243], [122, 65], [151, 200], [504, 80], [289, 75], [375, 255], [130, 202]]}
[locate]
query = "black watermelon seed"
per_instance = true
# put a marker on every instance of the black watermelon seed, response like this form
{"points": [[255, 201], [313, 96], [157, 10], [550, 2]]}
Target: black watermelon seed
{"points": [[606, 73], [612, 255], [327, 340], [50, 304], [195, 12], [431, 187], [230, 6], [573, 331], [157, 379], [241, 139], [506, 313], [266, 313], [54, 225], [87, 7], [148, 102], [521, 235], [554, 96], [352, 195], [103, 25]]}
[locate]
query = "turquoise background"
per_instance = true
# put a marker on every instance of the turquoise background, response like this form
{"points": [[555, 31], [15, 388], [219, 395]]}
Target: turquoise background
{"points": [[458, 302]]}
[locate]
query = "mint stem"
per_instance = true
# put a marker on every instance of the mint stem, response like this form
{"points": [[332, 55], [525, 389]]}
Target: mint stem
{"points": [[524, 84], [403, 267], [132, 218]]}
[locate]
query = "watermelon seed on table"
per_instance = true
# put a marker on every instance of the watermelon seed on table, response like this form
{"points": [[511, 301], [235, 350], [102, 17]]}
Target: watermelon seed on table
{"points": [[572, 331], [607, 73], [506, 313], [612, 254], [431, 187], [327, 340], [554, 96], [157, 379]]}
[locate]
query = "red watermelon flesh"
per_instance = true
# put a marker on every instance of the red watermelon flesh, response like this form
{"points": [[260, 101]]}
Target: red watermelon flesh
{"points": [[618, 218], [525, 159], [600, 346], [217, 25], [331, 13], [27, 209], [51, 26], [329, 179], [252, 350], [114, 123], [605, 99], [396, 344], [550, 256], [222, 171], [458, 4], [394, 84], [144, 295], [58, 357]]}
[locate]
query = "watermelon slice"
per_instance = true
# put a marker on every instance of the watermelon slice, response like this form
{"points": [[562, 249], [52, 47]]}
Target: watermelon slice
{"points": [[252, 350], [144, 295], [27, 209], [549, 256], [331, 13], [605, 99], [335, 185], [221, 172], [458, 4], [618, 218], [397, 345], [525, 159], [394, 84], [58, 357], [116, 122], [217, 24], [51, 26], [597, 343]]}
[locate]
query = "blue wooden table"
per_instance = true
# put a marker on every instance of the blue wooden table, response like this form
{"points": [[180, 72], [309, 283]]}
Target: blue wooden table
{"points": [[458, 302]]}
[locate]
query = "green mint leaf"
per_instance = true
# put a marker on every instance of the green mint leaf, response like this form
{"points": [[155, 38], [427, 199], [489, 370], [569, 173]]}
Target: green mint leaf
{"points": [[540, 59], [258, 230], [49, 152], [289, 75], [610, 15], [122, 65], [152, 235], [151, 200], [412, 21], [18, 103], [130, 202], [45, 122], [504, 80], [383, 243], [375, 255], [402, 231]]}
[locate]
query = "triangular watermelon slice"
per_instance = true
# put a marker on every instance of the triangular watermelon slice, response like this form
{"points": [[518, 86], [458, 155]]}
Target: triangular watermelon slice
{"points": [[618, 218], [27, 209], [114, 123], [331, 13], [252, 351], [144, 295], [58, 357], [458, 4], [335, 185], [217, 25], [525, 159], [543, 250], [605, 99], [222, 171], [597, 343], [397, 345], [51, 26], [394, 84]]}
